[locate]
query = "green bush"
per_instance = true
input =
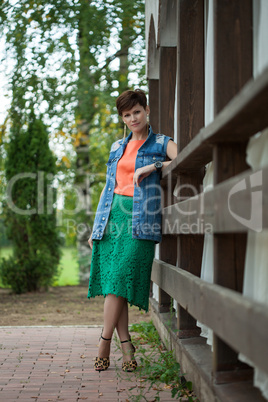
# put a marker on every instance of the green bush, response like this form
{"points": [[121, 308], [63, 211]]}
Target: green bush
{"points": [[29, 210], [11, 273], [29, 274]]}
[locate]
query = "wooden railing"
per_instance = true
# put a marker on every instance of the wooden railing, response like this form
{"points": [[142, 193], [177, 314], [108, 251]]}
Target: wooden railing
{"points": [[245, 115], [239, 324]]}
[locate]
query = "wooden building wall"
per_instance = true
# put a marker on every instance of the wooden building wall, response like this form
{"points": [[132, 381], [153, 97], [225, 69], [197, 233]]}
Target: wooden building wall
{"points": [[204, 91]]}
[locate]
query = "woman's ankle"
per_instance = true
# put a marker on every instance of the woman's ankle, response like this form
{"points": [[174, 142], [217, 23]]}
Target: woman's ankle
{"points": [[125, 337], [104, 348], [127, 351]]}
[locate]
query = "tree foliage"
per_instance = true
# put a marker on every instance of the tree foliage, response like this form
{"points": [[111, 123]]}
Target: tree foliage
{"points": [[29, 212], [69, 61], [64, 53]]}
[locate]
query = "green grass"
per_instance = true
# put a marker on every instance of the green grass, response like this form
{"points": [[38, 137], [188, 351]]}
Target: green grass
{"points": [[69, 269], [157, 368], [68, 266], [5, 251]]}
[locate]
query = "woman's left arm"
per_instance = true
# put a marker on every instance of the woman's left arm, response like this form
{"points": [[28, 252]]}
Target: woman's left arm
{"points": [[172, 152], [145, 171]]}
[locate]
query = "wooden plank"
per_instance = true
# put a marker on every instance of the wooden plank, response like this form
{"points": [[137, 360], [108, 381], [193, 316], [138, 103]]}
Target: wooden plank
{"points": [[168, 23], [153, 86], [190, 111], [241, 200], [154, 104], [240, 321], [242, 117], [152, 48], [191, 262], [232, 69], [190, 88], [231, 253], [229, 160], [229, 249], [232, 49], [167, 248], [195, 358], [167, 85]]}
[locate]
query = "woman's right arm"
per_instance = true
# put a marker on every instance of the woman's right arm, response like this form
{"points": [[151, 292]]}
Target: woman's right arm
{"points": [[90, 241]]}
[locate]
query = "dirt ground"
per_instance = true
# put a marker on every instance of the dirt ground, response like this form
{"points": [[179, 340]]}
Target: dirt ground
{"points": [[59, 306]]}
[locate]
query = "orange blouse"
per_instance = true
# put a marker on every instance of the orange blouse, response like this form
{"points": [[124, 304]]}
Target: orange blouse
{"points": [[126, 168]]}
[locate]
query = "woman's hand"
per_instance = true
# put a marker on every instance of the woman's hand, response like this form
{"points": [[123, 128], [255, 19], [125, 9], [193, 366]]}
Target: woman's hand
{"points": [[90, 242], [141, 173]]}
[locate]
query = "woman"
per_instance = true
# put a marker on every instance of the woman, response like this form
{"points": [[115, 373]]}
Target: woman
{"points": [[128, 224]]}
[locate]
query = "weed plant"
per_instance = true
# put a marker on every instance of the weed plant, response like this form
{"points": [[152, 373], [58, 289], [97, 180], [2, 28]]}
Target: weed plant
{"points": [[157, 369]]}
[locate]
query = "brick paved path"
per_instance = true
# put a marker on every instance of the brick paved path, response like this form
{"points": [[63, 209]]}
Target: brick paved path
{"points": [[56, 364]]}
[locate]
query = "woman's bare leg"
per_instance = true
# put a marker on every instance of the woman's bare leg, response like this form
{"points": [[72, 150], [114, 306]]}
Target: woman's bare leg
{"points": [[123, 333], [113, 306], [122, 324]]}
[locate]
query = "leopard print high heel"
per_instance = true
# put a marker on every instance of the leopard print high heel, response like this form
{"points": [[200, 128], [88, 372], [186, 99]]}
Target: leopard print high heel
{"points": [[130, 365], [102, 363]]}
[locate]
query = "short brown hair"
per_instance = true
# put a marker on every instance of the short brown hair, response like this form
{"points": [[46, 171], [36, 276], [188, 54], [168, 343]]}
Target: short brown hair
{"points": [[128, 99]]}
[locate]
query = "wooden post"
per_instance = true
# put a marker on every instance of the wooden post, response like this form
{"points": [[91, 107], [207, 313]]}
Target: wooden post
{"points": [[232, 48], [190, 95], [233, 68], [167, 85], [153, 85]]}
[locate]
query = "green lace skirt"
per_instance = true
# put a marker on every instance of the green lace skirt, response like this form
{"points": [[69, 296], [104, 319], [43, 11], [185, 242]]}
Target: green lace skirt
{"points": [[121, 265]]}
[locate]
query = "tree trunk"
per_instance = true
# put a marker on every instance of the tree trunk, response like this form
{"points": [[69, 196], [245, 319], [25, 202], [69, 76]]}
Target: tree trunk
{"points": [[84, 115]]}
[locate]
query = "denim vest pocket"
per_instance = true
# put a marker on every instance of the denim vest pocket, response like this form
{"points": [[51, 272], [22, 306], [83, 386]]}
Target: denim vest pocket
{"points": [[152, 157], [150, 222]]}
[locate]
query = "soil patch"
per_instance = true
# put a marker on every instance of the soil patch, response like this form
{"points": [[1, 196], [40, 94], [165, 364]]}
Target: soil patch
{"points": [[66, 305]]}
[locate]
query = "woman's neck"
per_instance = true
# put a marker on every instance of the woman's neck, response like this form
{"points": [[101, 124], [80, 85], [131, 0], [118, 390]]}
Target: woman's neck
{"points": [[140, 135]]}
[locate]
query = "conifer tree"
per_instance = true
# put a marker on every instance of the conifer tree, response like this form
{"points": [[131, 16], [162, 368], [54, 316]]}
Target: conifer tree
{"points": [[30, 215]]}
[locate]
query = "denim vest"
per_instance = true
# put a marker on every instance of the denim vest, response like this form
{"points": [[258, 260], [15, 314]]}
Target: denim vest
{"points": [[146, 215]]}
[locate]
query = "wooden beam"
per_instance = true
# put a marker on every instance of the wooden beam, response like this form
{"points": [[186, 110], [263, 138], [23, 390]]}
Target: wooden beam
{"points": [[168, 23], [232, 49], [167, 85], [240, 321], [190, 88], [154, 104], [232, 69], [153, 85], [242, 117], [241, 201], [228, 249], [190, 111], [195, 359]]}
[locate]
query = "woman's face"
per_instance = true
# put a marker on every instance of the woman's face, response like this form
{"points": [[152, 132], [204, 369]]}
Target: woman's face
{"points": [[136, 118]]}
